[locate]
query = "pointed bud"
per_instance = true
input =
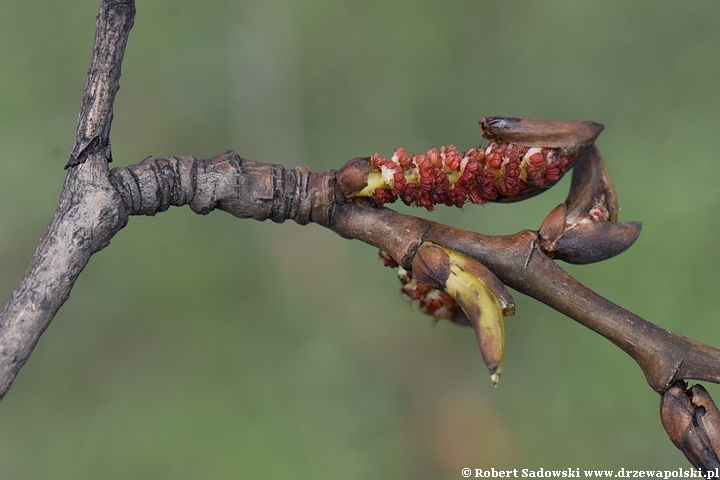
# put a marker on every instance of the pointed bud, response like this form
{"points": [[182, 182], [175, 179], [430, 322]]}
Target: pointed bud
{"points": [[584, 229], [480, 294], [596, 241], [532, 132], [692, 422]]}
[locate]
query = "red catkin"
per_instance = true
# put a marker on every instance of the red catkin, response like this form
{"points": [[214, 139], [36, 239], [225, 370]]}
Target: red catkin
{"points": [[447, 176]]}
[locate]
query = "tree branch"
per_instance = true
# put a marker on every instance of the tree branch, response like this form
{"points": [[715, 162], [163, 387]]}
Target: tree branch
{"points": [[89, 213], [114, 21], [264, 191]]}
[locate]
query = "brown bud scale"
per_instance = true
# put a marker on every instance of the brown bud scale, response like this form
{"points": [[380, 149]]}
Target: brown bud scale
{"points": [[432, 301]]}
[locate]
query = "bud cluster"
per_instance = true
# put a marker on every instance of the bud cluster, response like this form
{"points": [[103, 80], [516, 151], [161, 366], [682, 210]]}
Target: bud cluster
{"points": [[501, 172], [436, 303]]}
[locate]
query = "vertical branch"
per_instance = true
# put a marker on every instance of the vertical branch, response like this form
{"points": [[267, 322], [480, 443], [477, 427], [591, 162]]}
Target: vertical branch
{"points": [[114, 21], [89, 212]]}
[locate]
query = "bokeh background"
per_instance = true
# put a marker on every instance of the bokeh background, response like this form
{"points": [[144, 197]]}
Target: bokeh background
{"points": [[211, 347]]}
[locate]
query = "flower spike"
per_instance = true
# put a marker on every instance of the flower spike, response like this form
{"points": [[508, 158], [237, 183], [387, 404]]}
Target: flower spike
{"points": [[524, 158]]}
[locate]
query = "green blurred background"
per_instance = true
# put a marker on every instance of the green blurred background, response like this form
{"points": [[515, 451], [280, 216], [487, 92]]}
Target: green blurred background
{"points": [[216, 348]]}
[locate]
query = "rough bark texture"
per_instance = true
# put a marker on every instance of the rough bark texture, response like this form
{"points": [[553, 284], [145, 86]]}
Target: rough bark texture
{"points": [[114, 21], [227, 182], [90, 211], [88, 216]]}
